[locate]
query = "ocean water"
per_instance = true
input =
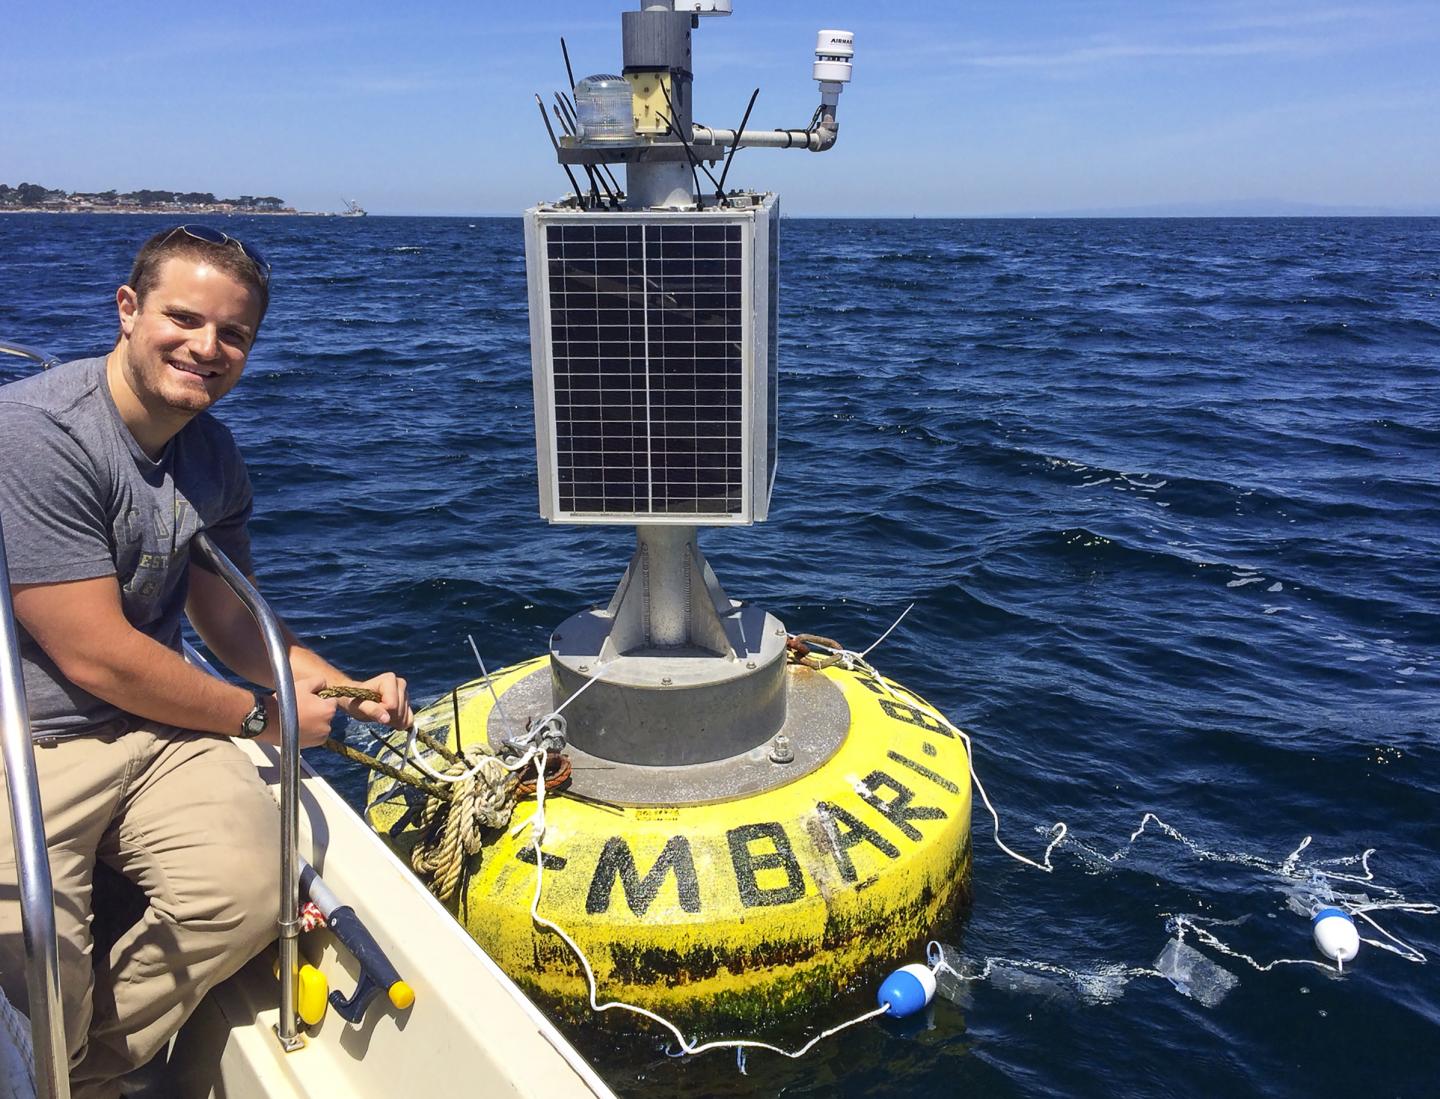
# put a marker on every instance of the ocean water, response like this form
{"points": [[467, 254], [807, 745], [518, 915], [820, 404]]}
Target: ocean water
{"points": [[1164, 493]]}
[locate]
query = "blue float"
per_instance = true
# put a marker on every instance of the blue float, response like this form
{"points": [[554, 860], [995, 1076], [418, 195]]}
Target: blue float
{"points": [[908, 990]]}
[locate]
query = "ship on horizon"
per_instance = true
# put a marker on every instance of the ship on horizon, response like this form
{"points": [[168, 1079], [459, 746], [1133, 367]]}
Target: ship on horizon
{"points": [[352, 209]]}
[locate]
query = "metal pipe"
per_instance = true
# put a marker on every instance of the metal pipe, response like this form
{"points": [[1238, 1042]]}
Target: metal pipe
{"points": [[817, 140], [278, 651], [32, 859], [46, 361], [660, 185], [312, 885]]}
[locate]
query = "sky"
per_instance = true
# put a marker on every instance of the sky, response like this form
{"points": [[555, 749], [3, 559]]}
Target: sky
{"points": [[956, 109]]}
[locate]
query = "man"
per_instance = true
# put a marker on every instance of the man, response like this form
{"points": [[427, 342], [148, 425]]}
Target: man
{"points": [[108, 468]]}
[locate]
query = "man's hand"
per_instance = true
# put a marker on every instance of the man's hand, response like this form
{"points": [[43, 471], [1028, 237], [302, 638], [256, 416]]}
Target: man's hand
{"points": [[315, 714], [224, 623], [393, 709]]}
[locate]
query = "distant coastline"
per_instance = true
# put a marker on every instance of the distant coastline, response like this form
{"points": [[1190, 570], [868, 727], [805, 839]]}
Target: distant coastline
{"points": [[206, 211], [188, 210], [32, 198]]}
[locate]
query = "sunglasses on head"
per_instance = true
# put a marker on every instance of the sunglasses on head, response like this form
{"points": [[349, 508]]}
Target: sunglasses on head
{"points": [[214, 236]]}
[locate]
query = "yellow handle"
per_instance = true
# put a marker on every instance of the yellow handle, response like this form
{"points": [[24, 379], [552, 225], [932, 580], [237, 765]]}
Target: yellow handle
{"points": [[312, 993]]}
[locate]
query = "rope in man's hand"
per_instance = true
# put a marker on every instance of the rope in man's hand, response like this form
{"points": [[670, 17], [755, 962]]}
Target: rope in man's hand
{"points": [[344, 690]]}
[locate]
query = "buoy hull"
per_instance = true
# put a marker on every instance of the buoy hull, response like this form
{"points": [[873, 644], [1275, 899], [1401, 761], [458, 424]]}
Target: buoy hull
{"points": [[743, 908]]}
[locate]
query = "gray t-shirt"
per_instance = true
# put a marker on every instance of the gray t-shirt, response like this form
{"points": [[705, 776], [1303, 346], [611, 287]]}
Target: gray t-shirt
{"points": [[79, 499]]}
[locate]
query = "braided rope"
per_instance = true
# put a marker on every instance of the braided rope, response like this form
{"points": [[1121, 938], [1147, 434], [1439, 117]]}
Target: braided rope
{"points": [[483, 798]]}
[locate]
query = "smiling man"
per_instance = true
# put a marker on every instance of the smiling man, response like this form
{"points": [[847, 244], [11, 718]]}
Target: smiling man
{"points": [[108, 469]]}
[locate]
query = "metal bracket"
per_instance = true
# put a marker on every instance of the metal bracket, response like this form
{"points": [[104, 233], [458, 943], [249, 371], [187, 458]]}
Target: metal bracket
{"points": [[289, 1044]]}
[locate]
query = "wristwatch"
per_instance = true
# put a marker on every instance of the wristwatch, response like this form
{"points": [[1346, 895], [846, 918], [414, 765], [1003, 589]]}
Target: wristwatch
{"points": [[254, 723]]}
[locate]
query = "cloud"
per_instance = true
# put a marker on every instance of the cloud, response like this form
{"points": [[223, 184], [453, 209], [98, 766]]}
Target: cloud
{"points": [[1107, 39], [1106, 52]]}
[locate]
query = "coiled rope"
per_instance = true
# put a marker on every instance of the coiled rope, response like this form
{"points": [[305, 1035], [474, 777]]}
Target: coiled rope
{"points": [[476, 791], [483, 797]]}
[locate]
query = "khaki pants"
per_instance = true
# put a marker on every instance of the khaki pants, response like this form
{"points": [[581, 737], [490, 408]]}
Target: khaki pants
{"points": [[183, 816]]}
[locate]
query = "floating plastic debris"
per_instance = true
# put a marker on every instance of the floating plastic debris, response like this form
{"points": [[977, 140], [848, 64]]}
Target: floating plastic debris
{"points": [[1194, 974], [953, 975], [1013, 978], [1346, 884], [1098, 984]]}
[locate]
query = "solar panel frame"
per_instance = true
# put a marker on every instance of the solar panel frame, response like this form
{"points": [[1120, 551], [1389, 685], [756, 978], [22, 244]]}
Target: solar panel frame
{"points": [[592, 467]]}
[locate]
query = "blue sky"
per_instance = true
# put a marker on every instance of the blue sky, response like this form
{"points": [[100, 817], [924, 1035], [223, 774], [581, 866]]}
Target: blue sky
{"points": [[963, 109]]}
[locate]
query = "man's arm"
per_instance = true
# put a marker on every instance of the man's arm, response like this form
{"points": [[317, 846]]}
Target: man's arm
{"points": [[82, 627], [226, 626]]}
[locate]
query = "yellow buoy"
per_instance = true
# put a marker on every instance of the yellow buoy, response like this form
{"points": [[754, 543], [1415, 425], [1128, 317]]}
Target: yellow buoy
{"points": [[737, 907]]}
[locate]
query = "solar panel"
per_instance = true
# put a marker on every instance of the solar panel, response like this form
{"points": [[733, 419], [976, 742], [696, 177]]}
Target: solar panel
{"points": [[647, 329]]}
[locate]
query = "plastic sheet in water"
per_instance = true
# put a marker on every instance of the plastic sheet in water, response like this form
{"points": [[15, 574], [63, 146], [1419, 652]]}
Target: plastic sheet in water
{"points": [[953, 974], [1194, 974], [1099, 984], [1042, 987]]}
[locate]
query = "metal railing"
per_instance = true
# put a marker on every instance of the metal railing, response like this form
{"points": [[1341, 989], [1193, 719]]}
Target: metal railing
{"points": [[45, 361], [32, 860], [277, 651]]}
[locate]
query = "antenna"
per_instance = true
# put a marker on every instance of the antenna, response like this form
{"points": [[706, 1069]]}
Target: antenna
{"points": [[565, 53], [720, 187], [551, 131]]}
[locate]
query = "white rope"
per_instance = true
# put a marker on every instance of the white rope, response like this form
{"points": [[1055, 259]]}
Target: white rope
{"points": [[853, 661], [1318, 873], [876, 643], [536, 821], [1395, 945], [1179, 925], [1310, 886], [1239, 858], [687, 1046], [489, 681], [1057, 831], [536, 742], [548, 730]]}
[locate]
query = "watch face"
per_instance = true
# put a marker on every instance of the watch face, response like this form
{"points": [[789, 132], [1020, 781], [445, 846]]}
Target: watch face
{"points": [[254, 723]]}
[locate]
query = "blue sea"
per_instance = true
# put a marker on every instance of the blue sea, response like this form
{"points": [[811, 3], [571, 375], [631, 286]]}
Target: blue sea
{"points": [[1163, 492]]}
